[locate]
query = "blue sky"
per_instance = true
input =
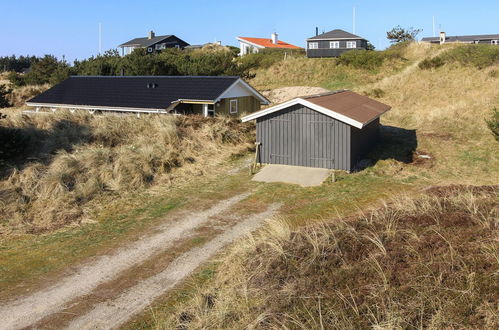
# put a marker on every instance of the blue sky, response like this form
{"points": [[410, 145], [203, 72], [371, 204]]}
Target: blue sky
{"points": [[70, 28]]}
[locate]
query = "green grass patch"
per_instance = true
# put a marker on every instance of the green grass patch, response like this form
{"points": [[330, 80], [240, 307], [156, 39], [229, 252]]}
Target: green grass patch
{"points": [[29, 257], [479, 56]]}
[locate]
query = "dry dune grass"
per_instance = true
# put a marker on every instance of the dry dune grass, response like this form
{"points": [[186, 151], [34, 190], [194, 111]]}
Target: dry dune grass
{"points": [[325, 72], [452, 93], [75, 160], [20, 95], [429, 262], [447, 108]]}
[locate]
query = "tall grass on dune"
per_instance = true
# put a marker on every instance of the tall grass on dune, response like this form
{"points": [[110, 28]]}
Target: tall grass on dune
{"points": [[429, 262], [66, 161]]}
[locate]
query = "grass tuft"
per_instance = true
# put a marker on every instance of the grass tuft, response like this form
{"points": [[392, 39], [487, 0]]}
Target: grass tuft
{"points": [[419, 262], [68, 162]]}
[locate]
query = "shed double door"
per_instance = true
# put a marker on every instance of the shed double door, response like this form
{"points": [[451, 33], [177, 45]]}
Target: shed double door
{"points": [[301, 139]]}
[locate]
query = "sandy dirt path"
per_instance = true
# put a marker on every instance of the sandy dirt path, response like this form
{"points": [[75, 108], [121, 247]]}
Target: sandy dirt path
{"points": [[112, 314], [26, 311]]}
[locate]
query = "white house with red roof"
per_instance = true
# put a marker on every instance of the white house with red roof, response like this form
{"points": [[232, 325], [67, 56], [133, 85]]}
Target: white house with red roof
{"points": [[253, 45]]}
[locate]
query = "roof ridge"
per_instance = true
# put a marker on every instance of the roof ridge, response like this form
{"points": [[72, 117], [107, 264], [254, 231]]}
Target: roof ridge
{"points": [[323, 94]]}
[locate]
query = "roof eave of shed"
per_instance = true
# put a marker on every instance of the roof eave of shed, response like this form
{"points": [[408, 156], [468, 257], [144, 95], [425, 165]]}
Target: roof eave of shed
{"points": [[310, 105]]}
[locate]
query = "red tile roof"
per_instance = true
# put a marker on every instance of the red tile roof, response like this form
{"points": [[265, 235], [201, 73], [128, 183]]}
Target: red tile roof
{"points": [[267, 43]]}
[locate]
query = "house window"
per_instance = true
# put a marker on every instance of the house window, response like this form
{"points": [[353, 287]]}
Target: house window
{"points": [[233, 106], [334, 44], [351, 44], [149, 50], [313, 45]]}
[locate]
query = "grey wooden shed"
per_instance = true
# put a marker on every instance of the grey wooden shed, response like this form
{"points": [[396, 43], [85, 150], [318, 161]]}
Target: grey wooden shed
{"points": [[333, 130]]}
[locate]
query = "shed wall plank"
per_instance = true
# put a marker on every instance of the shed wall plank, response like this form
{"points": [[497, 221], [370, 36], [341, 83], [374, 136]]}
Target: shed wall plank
{"points": [[303, 137]]}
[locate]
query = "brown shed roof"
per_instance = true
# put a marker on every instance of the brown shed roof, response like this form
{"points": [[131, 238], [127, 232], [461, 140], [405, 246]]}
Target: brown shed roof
{"points": [[347, 106], [352, 105]]}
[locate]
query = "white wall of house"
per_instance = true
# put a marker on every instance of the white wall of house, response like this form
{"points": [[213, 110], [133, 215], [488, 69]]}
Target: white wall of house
{"points": [[246, 48], [126, 50]]}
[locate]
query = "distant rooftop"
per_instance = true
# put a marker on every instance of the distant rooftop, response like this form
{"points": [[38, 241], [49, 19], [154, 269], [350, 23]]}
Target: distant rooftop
{"points": [[144, 42], [267, 43], [336, 34], [467, 38]]}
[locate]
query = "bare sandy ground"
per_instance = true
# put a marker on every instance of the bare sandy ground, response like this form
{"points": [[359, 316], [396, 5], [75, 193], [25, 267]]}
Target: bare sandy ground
{"points": [[284, 94], [26, 311]]}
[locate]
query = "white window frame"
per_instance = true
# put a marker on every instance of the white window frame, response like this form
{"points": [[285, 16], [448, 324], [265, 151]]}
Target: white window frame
{"points": [[160, 46], [351, 44], [313, 45], [334, 44], [208, 112], [231, 102]]}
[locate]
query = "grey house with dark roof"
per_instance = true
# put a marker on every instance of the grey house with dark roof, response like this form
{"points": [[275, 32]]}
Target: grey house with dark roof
{"points": [[334, 43], [152, 43], [202, 95], [491, 39]]}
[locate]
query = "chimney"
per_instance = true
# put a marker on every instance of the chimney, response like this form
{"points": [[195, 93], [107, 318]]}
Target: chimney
{"points": [[316, 31], [151, 35], [274, 38], [442, 37]]}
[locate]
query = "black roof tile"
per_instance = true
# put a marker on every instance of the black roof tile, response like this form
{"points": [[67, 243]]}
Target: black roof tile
{"points": [[336, 34], [145, 42], [144, 92]]}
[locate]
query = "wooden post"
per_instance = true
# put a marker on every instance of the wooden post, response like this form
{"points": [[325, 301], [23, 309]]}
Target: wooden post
{"points": [[333, 176], [255, 161]]}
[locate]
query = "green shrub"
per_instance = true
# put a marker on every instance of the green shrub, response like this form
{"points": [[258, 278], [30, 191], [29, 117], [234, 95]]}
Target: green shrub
{"points": [[493, 123], [16, 63], [4, 92], [16, 79], [479, 56], [431, 63], [265, 58], [362, 59]]}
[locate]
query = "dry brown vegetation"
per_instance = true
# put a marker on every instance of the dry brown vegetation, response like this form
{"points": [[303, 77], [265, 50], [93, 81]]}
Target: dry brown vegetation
{"points": [[430, 262], [20, 95], [74, 163]]}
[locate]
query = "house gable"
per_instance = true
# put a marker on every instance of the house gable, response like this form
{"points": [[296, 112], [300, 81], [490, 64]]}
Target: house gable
{"points": [[240, 89]]}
